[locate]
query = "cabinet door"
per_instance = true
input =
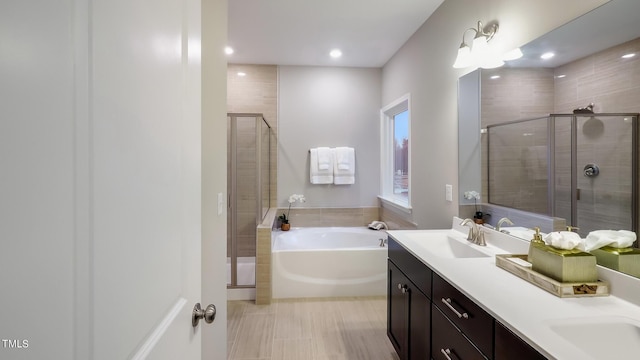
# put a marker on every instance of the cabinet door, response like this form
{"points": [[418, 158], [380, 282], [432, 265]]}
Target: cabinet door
{"points": [[398, 310], [419, 325], [510, 346]]}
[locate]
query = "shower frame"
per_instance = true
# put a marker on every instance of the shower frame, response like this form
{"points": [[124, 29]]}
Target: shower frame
{"points": [[551, 165], [232, 199]]}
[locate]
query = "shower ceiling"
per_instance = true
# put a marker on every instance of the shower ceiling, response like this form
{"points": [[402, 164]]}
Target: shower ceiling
{"points": [[296, 32]]}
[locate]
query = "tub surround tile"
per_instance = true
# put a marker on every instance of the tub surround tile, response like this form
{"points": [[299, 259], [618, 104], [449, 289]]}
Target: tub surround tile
{"points": [[263, 258], [396, 221], [329, 217]]}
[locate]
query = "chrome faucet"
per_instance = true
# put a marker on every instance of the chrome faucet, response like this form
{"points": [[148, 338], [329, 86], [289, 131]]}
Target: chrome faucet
{"points": [[476, 235], [503, 221]]}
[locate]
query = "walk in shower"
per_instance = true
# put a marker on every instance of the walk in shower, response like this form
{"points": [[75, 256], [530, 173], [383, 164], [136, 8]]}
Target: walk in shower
{"points": [[249, 187], [580, 167]]}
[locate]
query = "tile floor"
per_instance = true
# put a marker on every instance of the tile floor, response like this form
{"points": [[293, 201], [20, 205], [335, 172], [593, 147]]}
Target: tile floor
{"points": [[309, 329]]}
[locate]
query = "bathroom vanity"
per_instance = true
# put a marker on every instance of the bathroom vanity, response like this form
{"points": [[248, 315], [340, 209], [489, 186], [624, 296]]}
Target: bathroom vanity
{"points": [[448, 300]]}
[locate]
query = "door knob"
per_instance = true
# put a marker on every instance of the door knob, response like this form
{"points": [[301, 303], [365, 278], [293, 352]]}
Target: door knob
{"points": [[208, 314]]}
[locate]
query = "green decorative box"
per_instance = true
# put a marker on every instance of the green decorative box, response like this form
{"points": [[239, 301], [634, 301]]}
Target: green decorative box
{"points": [[562, 265], [626, 260]]}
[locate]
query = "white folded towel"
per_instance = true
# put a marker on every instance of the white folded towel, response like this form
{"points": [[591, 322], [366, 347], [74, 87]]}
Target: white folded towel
{"points": [[343, 157], [344, 166], [325, 158], [563, 240], [317, 176], [617, 239]]}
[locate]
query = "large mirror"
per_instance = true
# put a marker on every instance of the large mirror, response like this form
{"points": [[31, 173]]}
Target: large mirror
{"points": [[587, 68]]}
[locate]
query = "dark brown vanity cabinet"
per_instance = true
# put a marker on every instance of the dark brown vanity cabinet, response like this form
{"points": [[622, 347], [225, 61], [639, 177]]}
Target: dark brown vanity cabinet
{"points": [[509, 346], [473, 322], [448, 342], [408, 304], [428, 318]]}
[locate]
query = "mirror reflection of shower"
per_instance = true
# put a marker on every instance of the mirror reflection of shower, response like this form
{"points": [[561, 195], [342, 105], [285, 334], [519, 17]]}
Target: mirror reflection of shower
{"points": [[581, 167], [248, 186]]}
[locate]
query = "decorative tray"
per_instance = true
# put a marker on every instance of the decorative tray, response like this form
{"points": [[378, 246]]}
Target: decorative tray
{"points": [[560, 289]]}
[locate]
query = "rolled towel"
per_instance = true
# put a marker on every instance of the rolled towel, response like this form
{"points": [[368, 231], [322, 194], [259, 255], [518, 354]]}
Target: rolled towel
{"points": [[566, 240]]}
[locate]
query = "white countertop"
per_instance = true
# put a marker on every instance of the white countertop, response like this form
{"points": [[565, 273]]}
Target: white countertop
{"points": [[525, 309]]}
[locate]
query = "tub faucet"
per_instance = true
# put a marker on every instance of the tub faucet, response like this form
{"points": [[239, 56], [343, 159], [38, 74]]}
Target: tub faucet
{"points": [[503, 221], [476, 235], [383, 241]]}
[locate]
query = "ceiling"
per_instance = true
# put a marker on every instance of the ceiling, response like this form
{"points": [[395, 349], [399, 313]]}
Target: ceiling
{"points": [[303, 32], [611, 24]]}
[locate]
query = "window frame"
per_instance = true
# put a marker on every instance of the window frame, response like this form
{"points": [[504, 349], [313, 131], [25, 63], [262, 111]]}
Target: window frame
{"points": [[387, 127]]}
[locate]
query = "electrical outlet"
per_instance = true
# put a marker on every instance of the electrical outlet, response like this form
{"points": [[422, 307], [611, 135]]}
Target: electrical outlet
{"points": [[448, 192]]}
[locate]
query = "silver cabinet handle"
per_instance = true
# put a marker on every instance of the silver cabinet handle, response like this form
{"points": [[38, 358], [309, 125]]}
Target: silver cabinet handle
{"points": [[404, 288], [446, 353], [208, 314], [447, 302]]}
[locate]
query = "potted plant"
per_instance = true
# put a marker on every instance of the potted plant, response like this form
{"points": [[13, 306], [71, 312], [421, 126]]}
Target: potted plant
{"points": [[284, 218]]}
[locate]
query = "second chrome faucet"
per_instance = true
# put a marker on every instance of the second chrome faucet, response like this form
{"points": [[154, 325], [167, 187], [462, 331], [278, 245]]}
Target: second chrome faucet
{"points": [[476, 235]]}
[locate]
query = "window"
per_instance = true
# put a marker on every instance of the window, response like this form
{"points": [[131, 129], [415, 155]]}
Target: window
{"points": [[395, 153]]}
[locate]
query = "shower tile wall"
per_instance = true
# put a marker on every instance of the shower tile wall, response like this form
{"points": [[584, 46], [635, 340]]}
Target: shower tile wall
{"points": [[517, 94], [256, 92], [613, 85], [605, 79]]}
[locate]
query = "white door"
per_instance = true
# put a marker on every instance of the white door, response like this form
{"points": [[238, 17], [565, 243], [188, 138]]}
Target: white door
{"points": [[101, 192]]}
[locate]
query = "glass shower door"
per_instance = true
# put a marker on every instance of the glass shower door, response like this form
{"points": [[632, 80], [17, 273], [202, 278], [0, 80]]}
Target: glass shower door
{"points": [[604, 172]]}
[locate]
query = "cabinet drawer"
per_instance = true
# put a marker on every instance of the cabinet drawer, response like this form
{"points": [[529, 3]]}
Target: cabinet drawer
{"points": [[413, 268], [474, 322], [447, 341]]}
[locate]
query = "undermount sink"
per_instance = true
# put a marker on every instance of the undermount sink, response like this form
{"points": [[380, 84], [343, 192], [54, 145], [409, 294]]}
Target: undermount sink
{"points": [[442, 244], [611, 337]]}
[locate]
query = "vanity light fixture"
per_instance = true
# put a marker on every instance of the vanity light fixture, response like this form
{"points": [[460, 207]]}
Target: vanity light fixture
{"points": [[480, 53], [242, 74], [335, 53], [628, 56]]}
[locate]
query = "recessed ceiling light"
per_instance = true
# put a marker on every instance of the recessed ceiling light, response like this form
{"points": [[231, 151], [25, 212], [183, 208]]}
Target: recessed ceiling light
{"points": [[240, 73], [547, 55], [628, 56], [228, 50], [495, 77], [335, 53], [560, 76]]}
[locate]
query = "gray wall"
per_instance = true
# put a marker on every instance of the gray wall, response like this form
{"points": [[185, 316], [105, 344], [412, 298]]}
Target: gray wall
{"points": [[328, 106], [423, 67]]}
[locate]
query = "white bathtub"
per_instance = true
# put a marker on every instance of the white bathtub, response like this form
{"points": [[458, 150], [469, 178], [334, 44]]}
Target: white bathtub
{"points": [[328, 262]]}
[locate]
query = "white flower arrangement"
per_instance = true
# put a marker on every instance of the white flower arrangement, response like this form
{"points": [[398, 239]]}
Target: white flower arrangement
{"points": [[292, 199], [472, 195], [475, 196]]}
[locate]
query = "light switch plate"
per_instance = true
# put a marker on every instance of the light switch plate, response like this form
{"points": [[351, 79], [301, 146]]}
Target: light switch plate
{"points": [[448, 190]]}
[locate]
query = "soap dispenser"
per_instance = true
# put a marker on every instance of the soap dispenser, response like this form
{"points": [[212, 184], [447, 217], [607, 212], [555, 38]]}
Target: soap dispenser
{"points": [[536, 241]]}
